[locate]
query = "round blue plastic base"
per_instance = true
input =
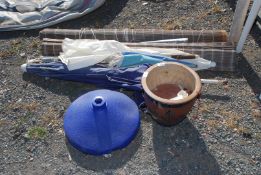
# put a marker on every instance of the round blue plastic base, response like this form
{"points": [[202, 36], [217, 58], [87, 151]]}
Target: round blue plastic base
{"points": [[101, 121]]}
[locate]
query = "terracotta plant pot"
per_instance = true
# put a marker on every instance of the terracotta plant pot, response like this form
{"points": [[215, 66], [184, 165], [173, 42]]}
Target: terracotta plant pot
{"points": [[164, 110]]}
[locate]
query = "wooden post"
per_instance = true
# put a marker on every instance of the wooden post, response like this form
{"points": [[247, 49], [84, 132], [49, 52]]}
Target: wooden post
{"points": [[238, 20]]}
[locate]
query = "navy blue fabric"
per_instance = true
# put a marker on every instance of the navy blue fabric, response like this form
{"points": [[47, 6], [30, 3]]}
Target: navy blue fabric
{"points": [[113, 78], [101, 129]]}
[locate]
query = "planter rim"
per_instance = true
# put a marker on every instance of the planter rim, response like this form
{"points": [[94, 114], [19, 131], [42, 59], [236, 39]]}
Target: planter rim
{"points": [[192, 96]]}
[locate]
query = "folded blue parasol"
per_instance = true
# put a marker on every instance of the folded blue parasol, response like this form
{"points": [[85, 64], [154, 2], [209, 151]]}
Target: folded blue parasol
{"points": [[128, 78]]}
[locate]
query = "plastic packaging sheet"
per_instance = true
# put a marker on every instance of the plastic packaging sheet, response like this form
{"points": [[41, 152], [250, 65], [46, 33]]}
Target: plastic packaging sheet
{"points": [[82, 53], [32, 14]]}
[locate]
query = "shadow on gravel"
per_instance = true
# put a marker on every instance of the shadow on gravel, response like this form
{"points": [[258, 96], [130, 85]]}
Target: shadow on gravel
{"points": [[71, 89], [157, 1], [232, 4], [255, 32], [102, 163], [181, 150], [97, 19], [16, 34], [214, 74], [245, 70], [65, 88], [253, 79]]}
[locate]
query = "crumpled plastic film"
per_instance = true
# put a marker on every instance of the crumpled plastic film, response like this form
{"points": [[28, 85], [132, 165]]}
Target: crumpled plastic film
{"points": [[33, 14]]}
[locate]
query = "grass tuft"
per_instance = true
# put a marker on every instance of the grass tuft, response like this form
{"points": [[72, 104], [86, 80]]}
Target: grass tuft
{"points": [[256, 113], [173, 24], [50, 118], [216, 9], [37, 133], [205, 107], [24, 106], [14, 49], [35, 44], [213, 123]]}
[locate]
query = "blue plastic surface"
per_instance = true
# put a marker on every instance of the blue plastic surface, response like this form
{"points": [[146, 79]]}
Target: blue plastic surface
{"points": [[101, 121], [136, 58]]}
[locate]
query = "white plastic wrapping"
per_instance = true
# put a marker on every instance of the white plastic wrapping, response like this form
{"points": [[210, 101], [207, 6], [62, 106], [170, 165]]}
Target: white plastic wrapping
{"points": [[83, 53], [201, 63]]}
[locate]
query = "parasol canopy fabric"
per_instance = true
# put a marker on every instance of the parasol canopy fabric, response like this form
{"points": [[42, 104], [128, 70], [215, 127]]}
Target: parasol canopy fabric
{"points": [[113, 78]]}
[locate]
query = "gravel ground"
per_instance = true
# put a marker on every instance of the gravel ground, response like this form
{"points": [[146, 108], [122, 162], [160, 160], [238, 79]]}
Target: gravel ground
{"points": [[222, 134]]}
